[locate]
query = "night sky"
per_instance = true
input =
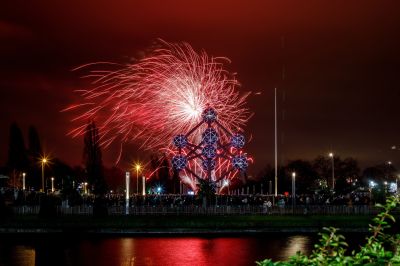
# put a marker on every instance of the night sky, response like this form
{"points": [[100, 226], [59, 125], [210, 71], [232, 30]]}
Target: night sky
{"points": [[340, 62]]}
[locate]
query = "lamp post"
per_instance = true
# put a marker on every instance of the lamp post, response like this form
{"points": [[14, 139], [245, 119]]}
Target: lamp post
{"points": [[137, 166], [389, 165], [52, 184], [333, 170], [387, 174], [23, 181], [143, 185], [127, 179], [44, 162], [293, 189], [85, 186]]}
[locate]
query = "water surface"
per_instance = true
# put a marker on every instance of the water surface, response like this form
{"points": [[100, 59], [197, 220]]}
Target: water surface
{"points": [[113, 251]]}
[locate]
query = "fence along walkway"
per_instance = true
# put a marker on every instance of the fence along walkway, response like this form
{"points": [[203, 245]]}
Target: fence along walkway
{"points": [[212, 210]]}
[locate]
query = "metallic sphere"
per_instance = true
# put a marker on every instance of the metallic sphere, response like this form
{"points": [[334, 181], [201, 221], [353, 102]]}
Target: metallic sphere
{"points": [[209, 115], [210, 136], [240, 162], [209, 151], [180, 141], [238, 141], [179, 162]]}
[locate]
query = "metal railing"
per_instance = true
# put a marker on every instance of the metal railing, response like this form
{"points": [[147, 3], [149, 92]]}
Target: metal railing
{"points": [[212, 210]]}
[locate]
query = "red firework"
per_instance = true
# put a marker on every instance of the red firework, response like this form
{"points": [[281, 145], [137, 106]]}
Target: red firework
{"points": [[154, 98]]}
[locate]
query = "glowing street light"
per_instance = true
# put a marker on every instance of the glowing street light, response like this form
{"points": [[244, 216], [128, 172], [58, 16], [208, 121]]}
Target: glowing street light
{"points": [[333, 170], [127, 180], [43, 161], [52, 184], [372, 184], [85, 187], [23, 181], [293, 189], [137, 167], [389, 164], [143, 185], [386, 186]]}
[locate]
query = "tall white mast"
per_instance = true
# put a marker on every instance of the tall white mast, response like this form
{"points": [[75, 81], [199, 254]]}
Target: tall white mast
{"points": [[276, 149]]}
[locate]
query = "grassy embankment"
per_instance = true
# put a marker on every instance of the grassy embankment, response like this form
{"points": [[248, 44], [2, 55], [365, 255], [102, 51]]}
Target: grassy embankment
{"points": [[186, 224]]}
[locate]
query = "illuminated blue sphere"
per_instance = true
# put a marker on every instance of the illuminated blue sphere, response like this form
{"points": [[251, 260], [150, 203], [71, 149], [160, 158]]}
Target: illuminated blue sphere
{"points": [[180, 141], [210, 136], [209, 151], [209, 115], [179, 162], [240, 162], [208, 164], [238, 141]]}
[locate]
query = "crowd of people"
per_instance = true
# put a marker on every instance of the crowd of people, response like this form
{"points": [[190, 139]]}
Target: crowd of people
{"points": [[19, 197]]}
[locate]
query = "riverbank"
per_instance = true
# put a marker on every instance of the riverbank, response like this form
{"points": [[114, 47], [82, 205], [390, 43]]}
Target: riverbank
{"points": [[158, 225]]}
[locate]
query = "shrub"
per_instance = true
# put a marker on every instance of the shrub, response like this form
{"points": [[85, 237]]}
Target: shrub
{"points": [[381, 248]]}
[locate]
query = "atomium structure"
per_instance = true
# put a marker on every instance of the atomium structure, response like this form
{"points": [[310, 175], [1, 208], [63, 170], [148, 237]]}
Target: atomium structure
{"points": [[210, 150]]}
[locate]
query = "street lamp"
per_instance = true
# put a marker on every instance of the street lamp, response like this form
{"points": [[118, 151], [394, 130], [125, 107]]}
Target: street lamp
{"points": [[52, 184], [44, 161], [85, 186], [23, 181], [137, 167], [293, 189], [127, 179], [389, 164], [333, 170], [143, 185]]}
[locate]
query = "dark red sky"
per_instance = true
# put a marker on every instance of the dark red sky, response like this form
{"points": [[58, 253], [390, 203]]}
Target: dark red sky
{"points": [[342, 63]]}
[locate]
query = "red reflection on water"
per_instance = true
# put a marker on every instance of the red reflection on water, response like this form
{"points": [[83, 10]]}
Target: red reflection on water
{"points": [[188, 251], [170, 251], [154, 251]]}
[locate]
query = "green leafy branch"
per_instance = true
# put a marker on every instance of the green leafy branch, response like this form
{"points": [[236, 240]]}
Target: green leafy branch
{"points": [[381, 248]]}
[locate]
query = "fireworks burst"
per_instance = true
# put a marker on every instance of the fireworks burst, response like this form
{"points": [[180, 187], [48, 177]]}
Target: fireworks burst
{"points": [[152, 99]]}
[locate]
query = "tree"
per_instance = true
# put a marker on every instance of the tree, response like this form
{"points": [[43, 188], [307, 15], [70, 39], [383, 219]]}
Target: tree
{"points": [[346, 174], [346, 171], [34, 153], [17, 156], [306, 176], [34, 147], [379, 174], [93, 160], [323, 167], [63, 174], [267, 177]]}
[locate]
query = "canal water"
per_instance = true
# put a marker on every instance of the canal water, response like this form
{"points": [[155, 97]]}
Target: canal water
{"points": [[110, 251]]}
